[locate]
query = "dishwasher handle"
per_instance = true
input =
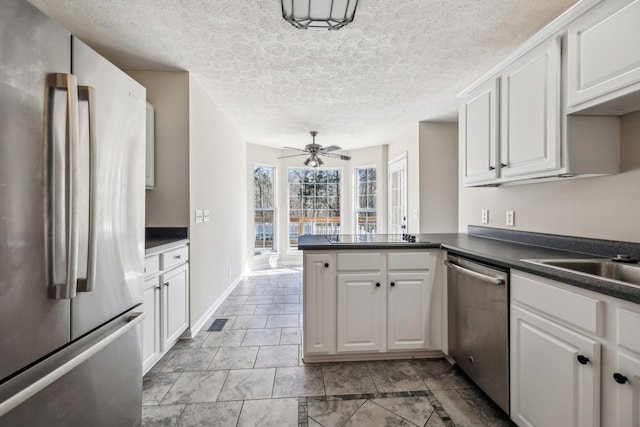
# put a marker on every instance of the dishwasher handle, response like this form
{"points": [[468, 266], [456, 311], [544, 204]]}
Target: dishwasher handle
{"points": [[474, 274]]}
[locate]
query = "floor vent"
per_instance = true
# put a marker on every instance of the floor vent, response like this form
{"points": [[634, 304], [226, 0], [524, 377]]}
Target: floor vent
{"points": [[217, 325]]}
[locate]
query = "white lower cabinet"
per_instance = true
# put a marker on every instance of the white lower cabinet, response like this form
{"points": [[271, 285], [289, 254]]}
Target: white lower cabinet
{"points": [[165, 302], [175, 304], [555, 373], [151, 335], [371, 301], [361, 312], [575, 356]]}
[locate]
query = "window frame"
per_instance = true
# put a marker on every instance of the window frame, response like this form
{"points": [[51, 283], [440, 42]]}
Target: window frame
{"points": [[274, 210], [356, 196], [295, 250]]}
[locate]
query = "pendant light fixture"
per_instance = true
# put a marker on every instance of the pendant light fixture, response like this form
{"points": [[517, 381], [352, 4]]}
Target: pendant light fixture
{"points": [[329, 14]]}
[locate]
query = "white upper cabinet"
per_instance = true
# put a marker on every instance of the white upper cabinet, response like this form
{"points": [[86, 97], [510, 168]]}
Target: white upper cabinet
{"points": [[530, 112], [604, 59], [478, 128], [515, 124]]}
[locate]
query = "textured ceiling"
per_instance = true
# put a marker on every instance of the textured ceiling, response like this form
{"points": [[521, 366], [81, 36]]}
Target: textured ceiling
{"points": [[399, 62]]}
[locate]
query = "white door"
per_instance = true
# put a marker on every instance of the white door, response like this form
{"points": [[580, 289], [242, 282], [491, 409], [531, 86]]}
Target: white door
{"points": [[398, 195], [530, 113], [478, 129], [151, 326], [319, 304], [408, 307], [175, 304], [361, 312], [550, 384], [626, 379]]}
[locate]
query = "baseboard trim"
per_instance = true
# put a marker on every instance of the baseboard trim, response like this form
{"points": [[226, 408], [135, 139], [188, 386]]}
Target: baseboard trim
{"points": [[193, 330], [365, 357]]}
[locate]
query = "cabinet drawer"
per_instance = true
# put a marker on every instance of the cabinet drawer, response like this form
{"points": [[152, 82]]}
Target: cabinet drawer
{"points": [[409, 261], [629, 330], [151, 265], [353, 261], [577, 310], [174, 257]]}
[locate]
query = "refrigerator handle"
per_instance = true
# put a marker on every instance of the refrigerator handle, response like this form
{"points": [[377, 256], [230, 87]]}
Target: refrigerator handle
{"points": [[86, 283], [62, 186]]}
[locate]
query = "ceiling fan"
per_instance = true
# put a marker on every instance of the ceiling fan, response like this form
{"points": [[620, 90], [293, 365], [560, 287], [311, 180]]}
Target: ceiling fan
{"points": [[314, 151]]}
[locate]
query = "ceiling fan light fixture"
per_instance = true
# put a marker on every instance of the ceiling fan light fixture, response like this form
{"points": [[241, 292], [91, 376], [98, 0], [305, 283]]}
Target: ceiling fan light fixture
{"points": [[329, 14]]}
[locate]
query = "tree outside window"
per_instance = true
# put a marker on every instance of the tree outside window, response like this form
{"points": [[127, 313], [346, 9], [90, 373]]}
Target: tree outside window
{"points": [[263, 180], [314, 203], [365, 203]]}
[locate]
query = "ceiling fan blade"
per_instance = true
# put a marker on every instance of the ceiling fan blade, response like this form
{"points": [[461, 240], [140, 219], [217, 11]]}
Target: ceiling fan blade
{"points": [[337, 156], [297, 149], [330, 148], [294, 155]]}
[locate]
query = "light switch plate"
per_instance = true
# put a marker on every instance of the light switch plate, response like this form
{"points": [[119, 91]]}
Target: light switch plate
{"points": [[199, 216], [207, 215], [511, 218]]}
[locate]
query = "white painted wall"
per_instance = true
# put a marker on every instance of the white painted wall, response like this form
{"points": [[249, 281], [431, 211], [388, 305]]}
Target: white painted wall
{"points": [[217, 181], [602, 207], [409, 142], [169, 94], [438, 177]]}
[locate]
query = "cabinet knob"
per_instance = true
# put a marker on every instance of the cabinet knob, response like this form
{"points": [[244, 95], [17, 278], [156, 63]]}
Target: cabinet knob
{"points": [[177, 256], [377, 284], [583, 360], [619, 378], [503, 165], [393, 284], [326, 265], [167, 284], [491, 168], [158, 287]]}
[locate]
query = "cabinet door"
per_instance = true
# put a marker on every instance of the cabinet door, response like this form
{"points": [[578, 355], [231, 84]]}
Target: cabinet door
{"points": [[478, 129], [319, 298], [175, 305], [603, 54], [151, 347], [361, 316], [549, 386], [627, 390], [408, 309], [530, 113]]}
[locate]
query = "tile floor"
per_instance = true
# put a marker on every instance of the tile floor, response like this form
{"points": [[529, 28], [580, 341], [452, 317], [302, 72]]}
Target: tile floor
{"points": [[251, 374]]}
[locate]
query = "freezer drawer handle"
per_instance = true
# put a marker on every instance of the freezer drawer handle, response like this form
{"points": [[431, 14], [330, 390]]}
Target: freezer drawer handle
{"points": [[33, 389], [62, 186], [474, 274]]}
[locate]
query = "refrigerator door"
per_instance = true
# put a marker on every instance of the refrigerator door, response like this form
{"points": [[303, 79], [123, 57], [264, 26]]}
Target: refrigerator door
{"points": [[115, 116], [96, 381], [33, 47]]}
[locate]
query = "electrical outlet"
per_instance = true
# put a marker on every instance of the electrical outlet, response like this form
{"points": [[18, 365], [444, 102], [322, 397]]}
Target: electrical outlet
{"points": [[199, 216], [484, 216], [511, 218], [206, 215]]}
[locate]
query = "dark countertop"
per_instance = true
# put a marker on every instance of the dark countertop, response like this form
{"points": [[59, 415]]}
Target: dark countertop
{"points": [[497, 252], [161, 244]]}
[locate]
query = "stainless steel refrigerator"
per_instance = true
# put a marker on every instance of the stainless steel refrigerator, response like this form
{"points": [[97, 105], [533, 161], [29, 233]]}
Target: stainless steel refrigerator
{"points": [[72, 132]]}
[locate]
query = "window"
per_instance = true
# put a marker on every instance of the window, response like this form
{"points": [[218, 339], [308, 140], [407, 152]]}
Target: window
{"points": [[314, 203], [263, 180], [365, 201]]}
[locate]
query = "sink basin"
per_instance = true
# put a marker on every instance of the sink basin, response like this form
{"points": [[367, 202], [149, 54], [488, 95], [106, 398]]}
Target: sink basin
{"points": [[627, 273]]}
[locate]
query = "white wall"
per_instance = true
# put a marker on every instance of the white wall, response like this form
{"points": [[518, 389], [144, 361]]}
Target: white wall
{"points": [[602, 207], [168, 92], [438, 177], [217, 181], [409, 142]]}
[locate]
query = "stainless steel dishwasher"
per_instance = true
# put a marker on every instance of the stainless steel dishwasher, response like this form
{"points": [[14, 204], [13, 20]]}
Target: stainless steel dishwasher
{"points": [[479, 325]]}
